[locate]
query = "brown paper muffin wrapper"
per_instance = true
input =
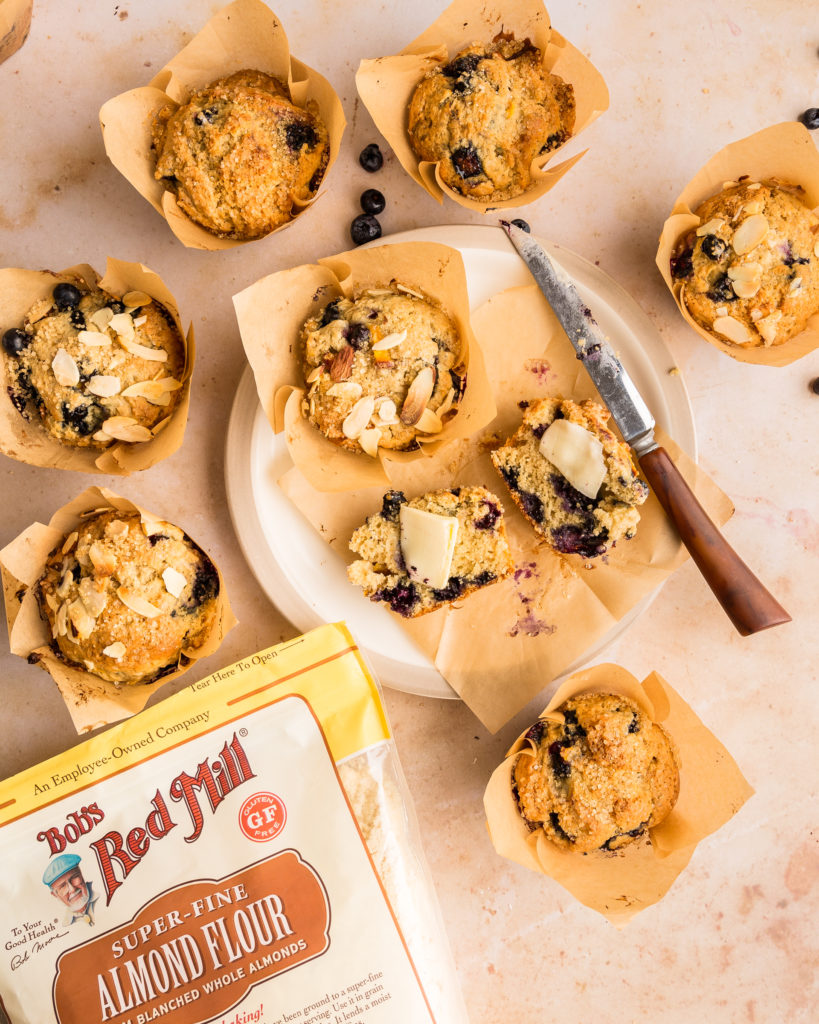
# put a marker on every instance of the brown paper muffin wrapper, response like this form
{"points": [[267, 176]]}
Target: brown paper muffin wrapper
{"points": [[619, 885], [784, 151], [386, 85], [27, 440], [15, 22], [91, 701], [272, 311], [245, 34], [501, 646]]}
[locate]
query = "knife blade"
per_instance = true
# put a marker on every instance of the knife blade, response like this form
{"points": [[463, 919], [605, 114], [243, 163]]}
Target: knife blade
{"points": [[749, 605]]}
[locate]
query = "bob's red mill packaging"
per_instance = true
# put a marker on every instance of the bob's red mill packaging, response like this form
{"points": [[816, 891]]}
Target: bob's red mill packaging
{"points": [[242, 852]]}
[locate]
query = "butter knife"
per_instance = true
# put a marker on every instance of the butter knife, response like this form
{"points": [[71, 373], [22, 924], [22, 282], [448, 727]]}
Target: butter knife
{"points": [[750, 607]]}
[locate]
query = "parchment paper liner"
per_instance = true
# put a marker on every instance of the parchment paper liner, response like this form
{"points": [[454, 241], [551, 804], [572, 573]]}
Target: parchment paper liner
{"points": [[91, 701], [245, 34], [272, 311], [386, 85], [503, 645], [784, 151], [15, 22], [619, 885], [27, 440]]}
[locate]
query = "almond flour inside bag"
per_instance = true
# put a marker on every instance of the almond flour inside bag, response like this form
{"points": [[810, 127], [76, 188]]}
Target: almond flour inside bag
{"points": [[244, 850]]}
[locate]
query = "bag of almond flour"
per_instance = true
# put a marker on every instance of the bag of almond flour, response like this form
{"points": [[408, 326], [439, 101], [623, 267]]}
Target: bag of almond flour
{"points": [[244, 851]]}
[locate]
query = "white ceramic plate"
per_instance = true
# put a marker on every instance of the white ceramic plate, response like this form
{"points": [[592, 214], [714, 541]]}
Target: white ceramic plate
{"points": [[304, 578]]}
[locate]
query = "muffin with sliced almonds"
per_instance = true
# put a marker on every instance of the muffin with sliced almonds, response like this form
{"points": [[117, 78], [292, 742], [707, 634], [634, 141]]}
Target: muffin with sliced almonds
{"points": [[128, 598], [419, 554], [382, 369], [750, 270], [95, 368], [571, 477]]}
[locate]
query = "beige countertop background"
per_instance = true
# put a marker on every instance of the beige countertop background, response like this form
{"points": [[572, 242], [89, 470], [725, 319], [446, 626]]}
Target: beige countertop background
{"points": [[735, 939]]}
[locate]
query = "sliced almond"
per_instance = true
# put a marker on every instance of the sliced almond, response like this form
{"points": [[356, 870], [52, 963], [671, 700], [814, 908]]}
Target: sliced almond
{"points": [[103, 559], [157, 355], [123, 325], [52, 602], [82, 622], [745, 272], [756, 314], [711, 227], [66, 581], [137, 603], [350, 390], [157, 392], [420, 392], [135, 299], [730, 184], [389, 341], [125, 428], [92, 596], [104, 385], [151, 525], [768, 327], [342, 365], [160, 426], [102, 436], [754, 184], [93, 339], [795, 285], [61, 621], [387, 412], [358, 417], [750, 233], [816, 249], [116, 529], [115, 650], [174, 581], [747, 289], [721, 311], [65, 369], [446, 405], [314, 374], [757, 206], [429, 422], [409, 291], [732, 329], [69, 542], [102, 317], [368, 439]]}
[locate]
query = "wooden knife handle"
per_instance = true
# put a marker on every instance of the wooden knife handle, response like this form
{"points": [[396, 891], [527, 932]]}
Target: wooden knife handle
{"points": [[748, 604]]}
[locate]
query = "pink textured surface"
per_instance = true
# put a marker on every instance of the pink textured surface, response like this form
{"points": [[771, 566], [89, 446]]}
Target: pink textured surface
{"points": [[735, 938]]}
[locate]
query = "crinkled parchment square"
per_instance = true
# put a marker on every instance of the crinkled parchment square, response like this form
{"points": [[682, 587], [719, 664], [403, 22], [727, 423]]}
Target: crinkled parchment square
{"points": [[784, 151], [386, 85], [245, 34], [91, 701], [619, 885], [27, 440]]}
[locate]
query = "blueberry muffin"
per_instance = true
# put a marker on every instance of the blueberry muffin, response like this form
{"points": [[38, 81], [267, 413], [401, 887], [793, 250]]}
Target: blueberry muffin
{"points": [[421, 554], [572, 517], [239, 155], [600, 778], [96, 368], [487, 115], [128, 599], [750, 271], [381, 369]]}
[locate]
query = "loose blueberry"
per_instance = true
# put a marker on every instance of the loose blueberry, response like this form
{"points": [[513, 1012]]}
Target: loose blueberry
{"points": [[372, 201], [522, 224], [810, 118], [15, 340], [371, 158], [66, 295], [466, 161], [358, 335], [299, 135], [714, 247], [364, 228], [814, 385]]}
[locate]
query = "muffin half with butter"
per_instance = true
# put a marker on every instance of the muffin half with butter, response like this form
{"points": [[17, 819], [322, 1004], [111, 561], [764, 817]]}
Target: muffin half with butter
{"points": [[421, 554], [128, 598], [571, 477]]}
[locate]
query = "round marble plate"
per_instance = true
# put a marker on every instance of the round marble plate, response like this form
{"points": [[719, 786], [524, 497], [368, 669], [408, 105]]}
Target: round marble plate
{"points": [[305, 579]]}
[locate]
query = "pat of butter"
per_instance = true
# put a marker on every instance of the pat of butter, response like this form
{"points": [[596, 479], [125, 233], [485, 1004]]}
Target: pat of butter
{"points": [[577, 454], [427, 545]]}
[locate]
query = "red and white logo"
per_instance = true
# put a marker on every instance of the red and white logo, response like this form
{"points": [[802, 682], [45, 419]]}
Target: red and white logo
{"points": [[262, 817]]}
